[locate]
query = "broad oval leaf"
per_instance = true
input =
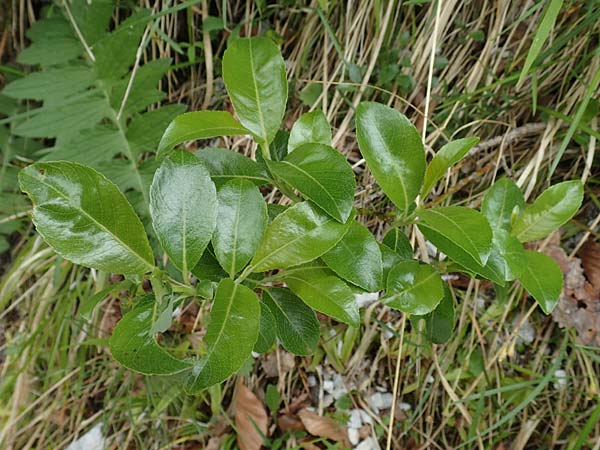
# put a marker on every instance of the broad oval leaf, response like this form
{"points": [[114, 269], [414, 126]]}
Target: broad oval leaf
{"points": [[225, 165], [85, 218], [198, 125], [230, 335], [493, 270], [298, 235], [446, 157], [183, 206], [297, 325], [324, 292], [322, 175], [389, 259], [439, 323], [397, 241], [241, 222], [134, 346], [208, 268], [509, 252], [465, 227], [267, 333], [414, 288], [357, 259], [501, 201], [553, 208], [311, 128], [543, 279], [254, 74], [392, 147]]}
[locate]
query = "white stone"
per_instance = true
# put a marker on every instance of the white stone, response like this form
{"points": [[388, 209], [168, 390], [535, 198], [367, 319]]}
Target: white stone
{"points": [[312, 380], [526, 333], [92, 440], [561, 379], [404, 406], [379, 401], [353, 436], [355, 420], [368, 444]]}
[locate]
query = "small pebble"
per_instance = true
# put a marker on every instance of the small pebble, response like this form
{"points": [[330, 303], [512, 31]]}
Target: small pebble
{"points": [[379, 401], [404, 406], [561, 379], [353, 435], [355, 420], [368, 444]]}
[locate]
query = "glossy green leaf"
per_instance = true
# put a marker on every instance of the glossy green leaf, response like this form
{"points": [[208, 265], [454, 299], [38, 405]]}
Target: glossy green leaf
{"points": [[254, 74], [439, 323], [414, 288], [389, 259], [267, 333], [230, 335], [543, 279], [199, 125], [322, 175], [85, 218], [325, 293], [446, 157], [297, 325], [298, 235], [465, 227], [134, 346], [241, 223], [509, 253], [392, 147], [493, 269], [357, 259], [501, 202], [397, 241], [183, 206], [311, 128], [225, 165], [550, 210], [208, 268]]}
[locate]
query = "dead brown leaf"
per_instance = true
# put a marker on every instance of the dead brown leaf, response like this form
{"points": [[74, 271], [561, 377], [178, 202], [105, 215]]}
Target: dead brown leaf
{"points": [[324, 427], [251, 419], [273, 368], [590, 259], [579, 306]]}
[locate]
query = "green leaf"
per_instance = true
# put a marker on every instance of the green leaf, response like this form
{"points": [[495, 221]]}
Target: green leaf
{"points": [[50, 52], [85, 218], [466, 228], [267, 333], [324, 292], [241, 223], [199, 125], [53, 85], [392, 147], [543, 279], [254, 74], [493, 270], [322, 175], [208, 268], [389, 259], [230, 335], [357, 259], [501, 202], [225, 165], [296, 236], [310, 128], [297, 325], [145, 130], [183, 207], [397, 241], [550, 210], [449, 154], [134, 346], [439, 323], [509, 252], [115, 53], [414, 288]]}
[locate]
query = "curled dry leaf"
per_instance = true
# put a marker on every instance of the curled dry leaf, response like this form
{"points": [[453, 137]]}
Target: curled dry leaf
{"points": [[251, 419], [579, 306], [324, 427]]}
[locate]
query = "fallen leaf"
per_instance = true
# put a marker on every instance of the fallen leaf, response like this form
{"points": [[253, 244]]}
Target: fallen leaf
{"points": [[324, 427], [273, 368], [590, 259], [579, 306], [289, 422], [251, 420]]}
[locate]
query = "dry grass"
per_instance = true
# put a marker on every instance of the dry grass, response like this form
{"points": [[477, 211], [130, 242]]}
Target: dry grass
{"points": [[485, 388]]}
